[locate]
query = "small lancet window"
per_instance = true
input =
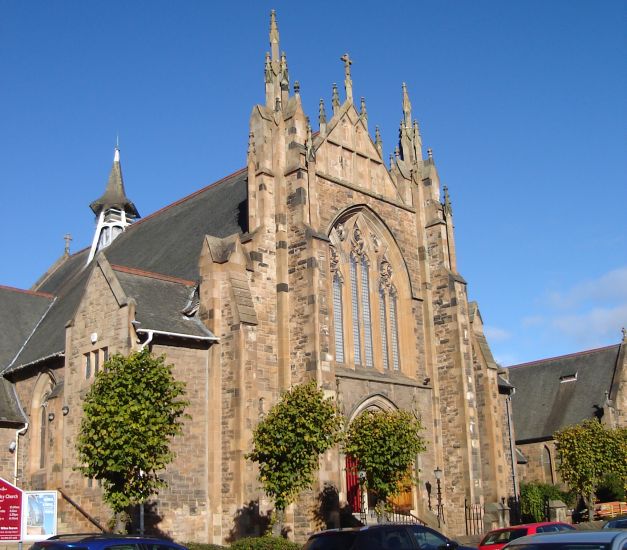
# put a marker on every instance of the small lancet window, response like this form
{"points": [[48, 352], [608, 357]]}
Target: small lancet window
{"points": [[383, 323], [338, 320], [355, 310], [394, 330], [365, 304]]}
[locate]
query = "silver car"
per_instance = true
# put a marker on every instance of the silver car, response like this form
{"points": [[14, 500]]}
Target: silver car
{"points": [[605, 539]]}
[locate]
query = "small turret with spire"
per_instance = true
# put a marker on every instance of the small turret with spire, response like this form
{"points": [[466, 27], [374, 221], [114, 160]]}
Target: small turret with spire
{"points": [[114, 211]]}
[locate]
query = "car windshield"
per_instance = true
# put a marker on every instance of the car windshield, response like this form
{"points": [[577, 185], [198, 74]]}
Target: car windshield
{"points": [[503, 537]]}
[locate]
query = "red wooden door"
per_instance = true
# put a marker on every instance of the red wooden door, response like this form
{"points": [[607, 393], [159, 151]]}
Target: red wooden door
{"points": [[353, 490]]}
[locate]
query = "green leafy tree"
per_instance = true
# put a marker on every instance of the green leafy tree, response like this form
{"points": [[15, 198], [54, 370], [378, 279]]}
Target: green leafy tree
{"points": [[385, 444], [131, 413], [288, 441], [587, 452]]}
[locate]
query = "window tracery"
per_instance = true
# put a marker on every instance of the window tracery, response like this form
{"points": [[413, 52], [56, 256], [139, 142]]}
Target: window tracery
{"points": [[365, 298]]}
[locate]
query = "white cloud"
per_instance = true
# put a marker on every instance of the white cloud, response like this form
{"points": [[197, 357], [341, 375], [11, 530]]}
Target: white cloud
{"points": [[609, 288], [496, 334], [533, 321], [594, 326]]}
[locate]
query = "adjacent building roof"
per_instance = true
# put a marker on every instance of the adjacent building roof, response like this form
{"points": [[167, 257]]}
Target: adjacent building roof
{"points": [[558, 392], [21, 311]]}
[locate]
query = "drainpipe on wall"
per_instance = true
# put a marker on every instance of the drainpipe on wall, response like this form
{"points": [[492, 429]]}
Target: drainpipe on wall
{"points": [[18, 433], [512, 449], [148, 340]]}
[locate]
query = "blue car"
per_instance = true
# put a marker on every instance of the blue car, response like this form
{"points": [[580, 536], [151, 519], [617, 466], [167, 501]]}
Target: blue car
{"points": [[100, 541]]}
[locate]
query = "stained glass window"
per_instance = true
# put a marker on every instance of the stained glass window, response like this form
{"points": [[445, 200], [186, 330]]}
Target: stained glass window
{"points": [[355, 311], [338, 321], [365, 304]]}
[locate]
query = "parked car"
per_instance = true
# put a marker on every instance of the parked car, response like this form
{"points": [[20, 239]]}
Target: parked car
{"points": [[101, 541], [389, 536], [495, 540], [601, 539], [616, 523]]}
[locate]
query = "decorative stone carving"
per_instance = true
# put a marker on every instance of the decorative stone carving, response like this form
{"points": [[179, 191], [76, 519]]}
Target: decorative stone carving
{"points": [[358, 241], [334, 260], [341, 231], [385, 273]]}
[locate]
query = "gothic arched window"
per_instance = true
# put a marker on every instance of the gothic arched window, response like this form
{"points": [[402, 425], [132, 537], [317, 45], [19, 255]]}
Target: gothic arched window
{"points": [[365, 300], [43, 425], [547, 465]]}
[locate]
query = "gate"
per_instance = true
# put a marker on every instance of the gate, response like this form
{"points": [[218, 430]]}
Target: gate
{"points": [[474, 518]]}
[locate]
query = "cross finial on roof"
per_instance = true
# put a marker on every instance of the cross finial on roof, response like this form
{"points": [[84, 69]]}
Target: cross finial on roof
{"points": [[67, 238], [348, 82]]}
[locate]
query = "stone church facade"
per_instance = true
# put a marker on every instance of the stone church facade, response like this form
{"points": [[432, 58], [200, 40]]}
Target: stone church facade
{"points": [[316, 261]]}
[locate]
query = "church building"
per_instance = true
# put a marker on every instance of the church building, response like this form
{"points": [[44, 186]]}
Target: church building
{"points": [[318, 260]]}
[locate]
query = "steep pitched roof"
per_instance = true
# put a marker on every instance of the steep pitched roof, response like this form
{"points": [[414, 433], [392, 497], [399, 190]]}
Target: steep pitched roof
{"points": [[167, 242], [170, 240], [21, 311], [558, 392]]}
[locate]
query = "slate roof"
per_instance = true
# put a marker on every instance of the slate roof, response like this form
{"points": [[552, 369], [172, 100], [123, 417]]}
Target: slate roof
{"points": [[546, 401], [10, 411], [167, 242], [21, 311], [160, 303]]}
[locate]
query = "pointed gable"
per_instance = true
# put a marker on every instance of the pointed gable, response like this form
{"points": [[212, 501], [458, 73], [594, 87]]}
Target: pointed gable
{"points": [[347, 153]]}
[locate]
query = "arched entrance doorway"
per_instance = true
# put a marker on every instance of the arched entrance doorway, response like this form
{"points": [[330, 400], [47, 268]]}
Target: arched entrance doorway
{"points": [[359, 498]]}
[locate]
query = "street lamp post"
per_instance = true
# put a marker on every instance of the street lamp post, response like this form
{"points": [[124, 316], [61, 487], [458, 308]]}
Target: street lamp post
{"points": [[362, 496], [438, 476]]}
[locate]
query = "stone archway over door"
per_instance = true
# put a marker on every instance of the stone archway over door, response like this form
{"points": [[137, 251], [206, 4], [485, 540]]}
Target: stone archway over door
{"points": [[404, 500]]}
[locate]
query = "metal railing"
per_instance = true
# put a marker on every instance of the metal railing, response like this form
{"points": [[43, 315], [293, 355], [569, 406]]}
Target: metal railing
{"points": [[79, 508]]}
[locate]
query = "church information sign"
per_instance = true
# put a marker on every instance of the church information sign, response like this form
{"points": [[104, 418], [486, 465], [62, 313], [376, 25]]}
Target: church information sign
{"points": [[10, 512], [40, 515]]}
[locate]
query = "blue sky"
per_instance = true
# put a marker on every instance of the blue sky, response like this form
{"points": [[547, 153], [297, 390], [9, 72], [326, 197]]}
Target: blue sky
{"points": [[522, 102]]}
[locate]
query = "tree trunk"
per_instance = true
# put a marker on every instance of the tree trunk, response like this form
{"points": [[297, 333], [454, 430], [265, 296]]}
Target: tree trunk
{"points": [[277, 525]]}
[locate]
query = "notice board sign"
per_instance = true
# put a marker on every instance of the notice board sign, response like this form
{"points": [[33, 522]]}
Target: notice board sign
{"points": [[10, 512], [40, 515]]}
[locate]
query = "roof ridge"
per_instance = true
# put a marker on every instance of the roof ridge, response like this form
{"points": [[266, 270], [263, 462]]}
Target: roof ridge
{"points": [[31, 292], [152, 275], [568, 355], [188, 197]]}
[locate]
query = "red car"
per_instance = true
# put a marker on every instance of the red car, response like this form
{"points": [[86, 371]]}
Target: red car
{"points": [[495, 540]]}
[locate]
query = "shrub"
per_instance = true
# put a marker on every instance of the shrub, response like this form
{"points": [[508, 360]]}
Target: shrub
{"points": [[610, 489], [533, 497], [203, 546], [265, 543]]}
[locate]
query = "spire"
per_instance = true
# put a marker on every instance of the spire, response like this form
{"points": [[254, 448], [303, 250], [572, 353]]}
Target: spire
{"points": [[251, 145], [114, 211], [624, 331], [335, 99], [267, 69], [274, 36], [114, 195], [309, 143], [348, 82], [363, 112], [322, 115], [377, 141], [296, 88], [448, 207], [406, 107]]}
